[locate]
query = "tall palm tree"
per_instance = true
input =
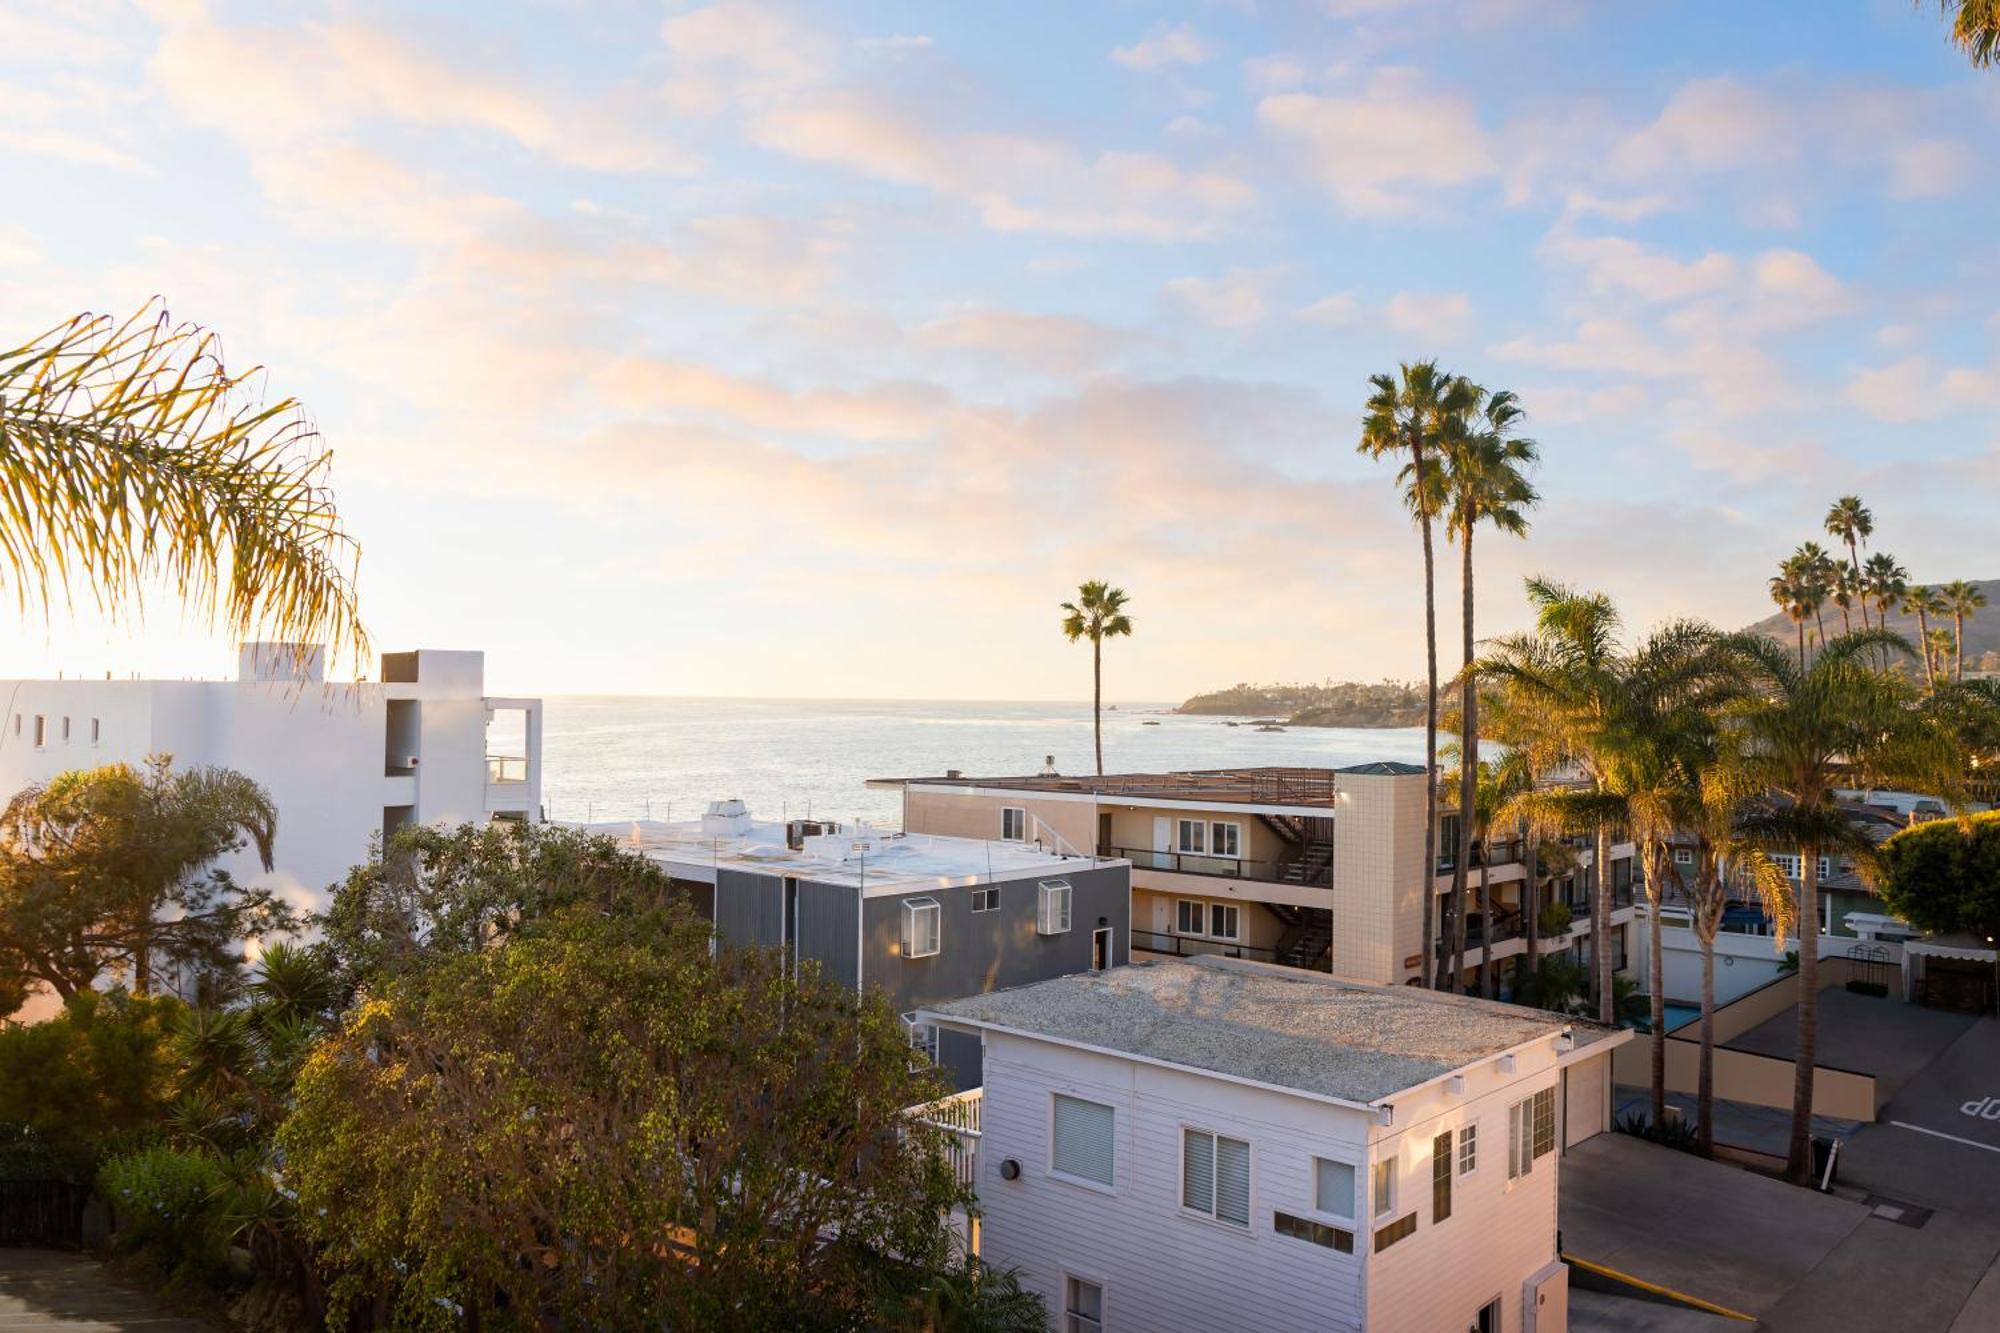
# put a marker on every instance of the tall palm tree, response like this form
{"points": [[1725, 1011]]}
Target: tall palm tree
{"points": [[1975, 29], [1962, 600], [1570, 670], [1850, 521], [1405, 419], [1801, 734], [1846, 592], [1097, 614], [1530, 751], [1789, 591], [1485, 479], [1884, 581], [130, 454], [1920, 601]]}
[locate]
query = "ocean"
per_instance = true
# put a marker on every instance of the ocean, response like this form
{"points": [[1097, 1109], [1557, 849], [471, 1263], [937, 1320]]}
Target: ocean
{"points": [[626, 758]]}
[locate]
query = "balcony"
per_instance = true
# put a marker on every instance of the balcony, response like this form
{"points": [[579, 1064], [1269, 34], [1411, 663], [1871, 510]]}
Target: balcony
{"points": [[959, 1117], [1312, 866], [504, 770], [1190, 946]]}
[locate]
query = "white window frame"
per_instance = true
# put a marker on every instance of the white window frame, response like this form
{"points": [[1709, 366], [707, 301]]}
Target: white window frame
{"points": [[1789, 864], [989, 895], [1235, 852], [1214, 1211], [1354, 1179], [1077, 1323], [1054, 906], [1015, 816], [914, 912], [1382, 1187], [1468, 1149], [1200, 927], [1195, 846], [1085, 1182], [1234, 917], [1683, 856], [923, 1037]]}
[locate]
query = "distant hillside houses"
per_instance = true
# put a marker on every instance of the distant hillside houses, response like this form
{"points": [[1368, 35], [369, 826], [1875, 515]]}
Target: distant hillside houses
{"points": [[1391, 703]]}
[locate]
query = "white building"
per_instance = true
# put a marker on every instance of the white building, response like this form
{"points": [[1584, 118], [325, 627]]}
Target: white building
{"points": [[344, 762], [1216, 1143]]}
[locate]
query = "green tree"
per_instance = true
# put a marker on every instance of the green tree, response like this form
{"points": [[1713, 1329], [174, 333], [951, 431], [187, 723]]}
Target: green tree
{"points": [[108, 871], [1922, 602], [1097, 614], [131, 456], [1484, 466], [1406, 420], [1943, 876], [1975, 28], [1790, 590], [1962, 601], [1849, 521], [96, 1078], [437, 893], [599, 1125], [1883, 582], [1799, 736]]}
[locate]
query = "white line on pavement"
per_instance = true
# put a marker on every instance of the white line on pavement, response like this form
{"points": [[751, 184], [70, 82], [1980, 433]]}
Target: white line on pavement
{"points": [[1940, 1134]]}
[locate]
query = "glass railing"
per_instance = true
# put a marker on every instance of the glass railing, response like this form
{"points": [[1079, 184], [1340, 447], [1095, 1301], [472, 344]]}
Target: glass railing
{"points": [[502, 769]]}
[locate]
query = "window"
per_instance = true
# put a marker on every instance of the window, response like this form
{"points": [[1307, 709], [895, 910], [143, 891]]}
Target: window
{"points": [[1189, 916], [96, 730], [1787, 863], [41, 731], [1319, 1233], [921, 918], [923, 1037], [1222, 920], [1440, 1177], [986, 900], [1531, 1132], [1193, 836], [1385, 1187], [1013, 824], [1825, 870], [1052, 909], [1683, 856], [1333, 1188], [1083, 1306], [1225, 840], [1081, 1147], [1215, 1176], [1488, 1318], [1468, 1150], [1406, 1225], [65, 731]]}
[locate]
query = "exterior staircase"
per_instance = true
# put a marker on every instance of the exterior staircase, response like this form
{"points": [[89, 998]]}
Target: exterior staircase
{"points": [[1308, 940]]}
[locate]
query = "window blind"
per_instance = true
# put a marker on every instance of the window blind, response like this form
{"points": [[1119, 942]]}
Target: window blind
{"points": [[1232, 1181], [1083, 1134]]}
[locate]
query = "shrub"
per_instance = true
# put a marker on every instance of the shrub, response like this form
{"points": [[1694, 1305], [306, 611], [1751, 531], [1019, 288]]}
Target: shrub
{"points": [[93, 1080], [1679, 1135], [1555, 919], [167, 1207]]}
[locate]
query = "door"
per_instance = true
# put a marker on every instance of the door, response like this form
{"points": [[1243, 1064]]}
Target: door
{"points": [[1100, 949], [1163, 843], [1104, 847]]}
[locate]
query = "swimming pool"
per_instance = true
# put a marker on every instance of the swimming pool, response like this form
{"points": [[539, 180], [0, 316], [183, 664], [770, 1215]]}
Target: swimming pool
{"points": [[1680, 1015]]}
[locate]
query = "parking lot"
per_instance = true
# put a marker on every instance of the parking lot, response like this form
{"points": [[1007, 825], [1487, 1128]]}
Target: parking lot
{"points": [[1937, 1141]]}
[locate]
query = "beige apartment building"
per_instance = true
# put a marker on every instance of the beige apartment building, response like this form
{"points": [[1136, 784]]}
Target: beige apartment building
{"points": [[1317, 868]]}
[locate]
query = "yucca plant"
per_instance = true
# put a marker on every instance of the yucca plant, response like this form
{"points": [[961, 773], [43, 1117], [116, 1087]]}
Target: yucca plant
{"points": [[131, 457]]}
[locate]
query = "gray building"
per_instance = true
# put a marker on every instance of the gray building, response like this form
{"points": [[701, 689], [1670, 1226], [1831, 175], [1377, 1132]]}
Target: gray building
{"points": [[923, 918]]}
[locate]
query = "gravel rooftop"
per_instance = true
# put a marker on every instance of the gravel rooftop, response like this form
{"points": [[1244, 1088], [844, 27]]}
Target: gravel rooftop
{"points": [[1275, 1025]]}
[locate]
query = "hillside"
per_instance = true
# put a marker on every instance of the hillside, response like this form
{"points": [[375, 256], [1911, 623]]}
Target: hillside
{"points": [[1335, 704], [1982, 632]]}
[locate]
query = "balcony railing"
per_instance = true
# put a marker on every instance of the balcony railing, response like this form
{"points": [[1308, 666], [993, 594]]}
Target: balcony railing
{"points": [[1190, 946], [502, 769], [959, 1117], [1292, 870], [1502, 854]]}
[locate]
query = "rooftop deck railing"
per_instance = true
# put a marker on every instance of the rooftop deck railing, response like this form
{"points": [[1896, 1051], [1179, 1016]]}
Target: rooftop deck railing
{"points": [[1192, 946], [502, 769], [1291, 870]]}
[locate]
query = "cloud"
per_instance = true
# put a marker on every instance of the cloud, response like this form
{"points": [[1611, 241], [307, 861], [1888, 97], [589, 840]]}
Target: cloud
{"points": [[1043, 343], [1385, 148], [1233, 301], [1916, 389], [1928, 168], [1166, 44], [1709, 125], [1338, 308], [1434, 317]]}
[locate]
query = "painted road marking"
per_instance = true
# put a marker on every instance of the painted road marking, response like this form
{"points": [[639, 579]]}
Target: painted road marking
{"points": [[1940, 1134]]}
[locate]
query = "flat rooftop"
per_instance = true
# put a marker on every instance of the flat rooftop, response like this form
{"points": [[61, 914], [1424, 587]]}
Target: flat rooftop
{"points": [[877, 858], [1269, 1024], [1218, 786]]}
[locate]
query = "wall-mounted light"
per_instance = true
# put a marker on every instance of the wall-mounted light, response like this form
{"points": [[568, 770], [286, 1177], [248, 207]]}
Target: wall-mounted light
{"points": [[1565, 1041], [1455, 1085], [1385, 1115], [1507, 1064]]}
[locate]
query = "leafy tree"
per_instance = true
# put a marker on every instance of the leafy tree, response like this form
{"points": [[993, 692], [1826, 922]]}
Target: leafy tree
{"points": [[130, 454], [106, 871], [599, 1125], [95, 1079], [1097, 614], [1406, 420], [435, 893], [1943, 876]]}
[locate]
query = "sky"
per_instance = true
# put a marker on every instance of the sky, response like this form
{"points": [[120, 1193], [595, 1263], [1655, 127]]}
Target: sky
{"points": [[821, 350]]}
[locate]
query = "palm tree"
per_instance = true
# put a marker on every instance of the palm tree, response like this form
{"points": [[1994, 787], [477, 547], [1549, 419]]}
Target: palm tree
{"points": [[1920, 601], [1850, 521], [1817, 575], [1569, 670], [1529, 751], [1884, 581], [129, 454], [1975, 29], [1789, 591], [1405, 418], [1846, 592], [1962, 600], [1801, 734], [1484, 463], [1097, 614]]}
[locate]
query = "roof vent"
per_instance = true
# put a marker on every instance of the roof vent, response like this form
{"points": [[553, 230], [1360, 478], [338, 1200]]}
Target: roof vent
{"points": [[1049, 766], [953, 773], [726, 819]]}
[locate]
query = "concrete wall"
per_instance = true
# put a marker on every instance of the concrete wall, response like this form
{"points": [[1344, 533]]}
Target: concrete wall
{"points": [[1378, 877], [1742, 962], [967, 815]]}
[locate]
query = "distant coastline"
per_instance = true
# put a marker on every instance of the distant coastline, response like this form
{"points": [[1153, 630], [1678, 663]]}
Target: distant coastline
{"points": [[1390, 703]]}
